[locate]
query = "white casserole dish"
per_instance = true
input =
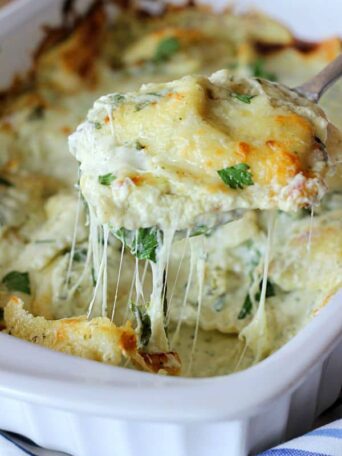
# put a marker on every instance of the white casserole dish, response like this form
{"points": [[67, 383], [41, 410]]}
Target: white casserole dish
{"points": [[87, 409]]}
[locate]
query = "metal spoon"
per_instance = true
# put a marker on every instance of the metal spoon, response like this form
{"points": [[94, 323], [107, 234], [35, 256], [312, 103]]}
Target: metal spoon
{"points": [[317, 86], [27, 446]]}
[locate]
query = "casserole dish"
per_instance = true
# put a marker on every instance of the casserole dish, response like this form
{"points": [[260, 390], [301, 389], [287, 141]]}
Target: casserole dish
{"points": [[86, 408]]}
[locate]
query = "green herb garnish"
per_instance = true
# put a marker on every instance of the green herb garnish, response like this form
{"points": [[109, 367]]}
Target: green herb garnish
{"points": [[259, 71], [142, 243], [17, 281], [237, 176], [98, 125], [166, 49], [243, 97], [143, 324], [5, 182], [107, 179], [247, 306]]}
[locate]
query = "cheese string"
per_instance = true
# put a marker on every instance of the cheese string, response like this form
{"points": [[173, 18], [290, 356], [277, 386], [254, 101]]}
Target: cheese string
{"points": [[74, 238], [200, 269], [159, 340], [118, 282], [186, 242], [104, 273], [187, 289], [101, 279], [255, 333]]}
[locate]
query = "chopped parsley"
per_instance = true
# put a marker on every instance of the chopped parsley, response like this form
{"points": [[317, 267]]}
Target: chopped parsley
{"points": [[259, 71], [143, 324], [237, 176], [247, 306], [107, 179], [143, 243], [5, 182], [17, 281], [98, 125], [166, 49], [243, 97]]}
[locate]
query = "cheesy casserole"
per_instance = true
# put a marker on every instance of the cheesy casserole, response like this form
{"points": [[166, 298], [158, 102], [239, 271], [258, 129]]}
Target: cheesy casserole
{"points": [[119, 258]]}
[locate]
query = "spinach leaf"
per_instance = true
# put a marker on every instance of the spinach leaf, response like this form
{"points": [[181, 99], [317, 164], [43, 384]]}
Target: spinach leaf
{"points": [[269, 290], [143, 243], [237, 176], [143, 324], [17, 281], [247, 306]]}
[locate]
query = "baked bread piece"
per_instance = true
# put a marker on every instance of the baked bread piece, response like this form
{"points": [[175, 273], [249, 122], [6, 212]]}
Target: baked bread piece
{"points": [[97, 339]]}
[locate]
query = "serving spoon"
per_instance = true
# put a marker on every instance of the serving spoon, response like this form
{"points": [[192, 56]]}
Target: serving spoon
{"points": [[315, 87]]}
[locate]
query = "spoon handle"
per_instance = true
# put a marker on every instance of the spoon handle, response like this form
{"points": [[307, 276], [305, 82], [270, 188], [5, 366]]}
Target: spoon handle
{"points": [[316, 86]]}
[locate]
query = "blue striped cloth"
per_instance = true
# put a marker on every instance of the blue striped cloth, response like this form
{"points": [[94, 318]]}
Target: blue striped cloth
{"points": [[324, 441]]}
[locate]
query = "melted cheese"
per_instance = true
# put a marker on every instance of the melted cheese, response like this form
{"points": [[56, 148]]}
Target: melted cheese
{"points": [[256, 333], [203, 126]]}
